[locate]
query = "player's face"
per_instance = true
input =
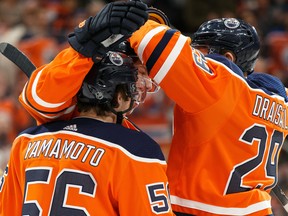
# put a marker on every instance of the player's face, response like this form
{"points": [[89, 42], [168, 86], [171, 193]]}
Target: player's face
{"points": [[144, 83]]}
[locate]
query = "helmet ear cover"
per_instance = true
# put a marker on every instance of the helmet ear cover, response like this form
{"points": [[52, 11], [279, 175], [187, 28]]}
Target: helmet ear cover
{"points": [[230, 34]]}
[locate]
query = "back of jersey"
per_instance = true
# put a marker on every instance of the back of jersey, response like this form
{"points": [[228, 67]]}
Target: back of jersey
{"points": [[231, 151], [228, 131], [84, 167]]}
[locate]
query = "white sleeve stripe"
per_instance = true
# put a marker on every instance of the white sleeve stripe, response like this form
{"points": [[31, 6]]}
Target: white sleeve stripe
{"points": [[146, 40], [37, 99], [171, 59], [219, 210], [23, 93], [68, 110]]}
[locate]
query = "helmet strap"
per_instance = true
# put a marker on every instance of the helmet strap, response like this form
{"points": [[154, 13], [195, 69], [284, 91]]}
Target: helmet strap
{"points": [[119, 115]]}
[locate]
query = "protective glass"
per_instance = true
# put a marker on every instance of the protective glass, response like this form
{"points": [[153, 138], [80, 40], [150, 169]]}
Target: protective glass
{"points": [[145, 85]]}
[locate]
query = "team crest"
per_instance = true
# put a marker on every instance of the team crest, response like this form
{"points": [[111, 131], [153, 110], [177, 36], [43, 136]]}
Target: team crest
{"points": [[115, 58], [231, 23]]}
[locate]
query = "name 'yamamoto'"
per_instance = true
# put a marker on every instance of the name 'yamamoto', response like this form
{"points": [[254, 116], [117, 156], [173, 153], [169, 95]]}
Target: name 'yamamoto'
{"points": [[64, 148]]}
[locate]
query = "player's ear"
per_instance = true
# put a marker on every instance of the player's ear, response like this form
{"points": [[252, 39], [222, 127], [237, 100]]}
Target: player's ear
{"points": [[119, 99], [230, 56]]}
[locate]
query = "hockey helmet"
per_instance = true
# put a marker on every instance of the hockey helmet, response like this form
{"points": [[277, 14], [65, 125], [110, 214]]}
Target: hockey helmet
{"points": [[99, 86], [124, 47], [230, 34]]}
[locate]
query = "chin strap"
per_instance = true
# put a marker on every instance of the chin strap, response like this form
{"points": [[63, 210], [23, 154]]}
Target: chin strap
{"points": [[119, 115], [119, 118]]}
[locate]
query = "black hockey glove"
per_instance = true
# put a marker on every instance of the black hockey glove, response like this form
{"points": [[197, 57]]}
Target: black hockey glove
{"points": [[112, 25]]}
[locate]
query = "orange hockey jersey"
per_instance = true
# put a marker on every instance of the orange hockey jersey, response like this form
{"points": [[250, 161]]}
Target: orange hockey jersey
{"points": [[84, 167], [228, 130]]}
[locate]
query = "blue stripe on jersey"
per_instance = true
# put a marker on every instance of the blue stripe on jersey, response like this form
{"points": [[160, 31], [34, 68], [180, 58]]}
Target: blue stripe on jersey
{"points": [[268, 83], [159, 48], [135, 142], [227, 62]]}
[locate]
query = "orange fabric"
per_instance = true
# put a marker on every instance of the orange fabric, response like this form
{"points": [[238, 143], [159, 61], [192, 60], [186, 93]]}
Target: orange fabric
{"points": [[47, 103], [14, 119], [225, 132], [73, 173], [7, 129]]}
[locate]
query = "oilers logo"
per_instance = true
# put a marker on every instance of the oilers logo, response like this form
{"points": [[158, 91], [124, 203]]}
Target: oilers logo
{"points": [[115, 58], [231, 23]]}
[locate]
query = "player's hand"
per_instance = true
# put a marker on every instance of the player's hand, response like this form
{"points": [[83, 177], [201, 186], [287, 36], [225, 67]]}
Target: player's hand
{"points": [[112, 25]]}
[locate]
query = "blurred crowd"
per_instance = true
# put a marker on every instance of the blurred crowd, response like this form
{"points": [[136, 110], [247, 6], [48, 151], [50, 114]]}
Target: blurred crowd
{"points": [[39, 28]]}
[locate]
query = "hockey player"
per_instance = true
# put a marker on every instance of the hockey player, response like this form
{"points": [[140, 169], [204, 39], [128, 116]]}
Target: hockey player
{"points": [[83, 161], [228, 129], [89, 165]]}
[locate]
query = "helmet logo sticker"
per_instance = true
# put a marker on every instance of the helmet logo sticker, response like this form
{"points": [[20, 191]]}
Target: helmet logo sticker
{"points": [[231, 23], [115, 58], [133, 87], [99, 95]]}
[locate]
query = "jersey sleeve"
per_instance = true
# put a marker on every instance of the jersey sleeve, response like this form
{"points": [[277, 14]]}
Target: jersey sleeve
{"points": [[50, 92], [183, 72]]}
